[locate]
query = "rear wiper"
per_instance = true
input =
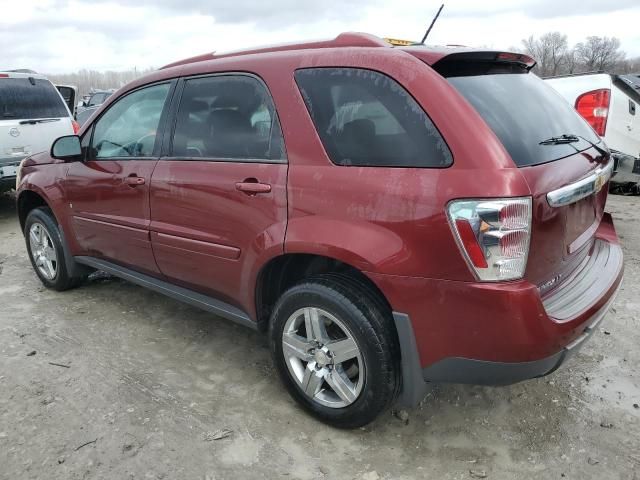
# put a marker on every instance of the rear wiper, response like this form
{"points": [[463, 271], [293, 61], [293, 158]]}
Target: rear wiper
{"points": [[602, 151], [38, 120], [562, 139]]}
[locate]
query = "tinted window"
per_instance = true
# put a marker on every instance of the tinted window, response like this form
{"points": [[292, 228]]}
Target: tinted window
{"points": [[523, 111], [24, 98], [366, 118], [227, 117], [128, 128]]}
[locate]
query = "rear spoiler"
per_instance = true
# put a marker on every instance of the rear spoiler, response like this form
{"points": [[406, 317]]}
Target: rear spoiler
{"points": [[483, 62], [450, 61]]}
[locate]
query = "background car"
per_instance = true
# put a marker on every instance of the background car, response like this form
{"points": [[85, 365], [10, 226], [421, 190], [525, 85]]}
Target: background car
{"points": [[90, 105], [33, 114], [611, 105]]}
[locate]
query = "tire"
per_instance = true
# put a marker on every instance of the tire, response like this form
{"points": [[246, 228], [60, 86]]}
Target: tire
{"points": [[348, 314], [48, 257]]}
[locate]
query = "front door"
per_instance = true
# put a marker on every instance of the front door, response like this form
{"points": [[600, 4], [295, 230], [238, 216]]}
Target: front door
{"points": [[218, 199], [108, 193]]}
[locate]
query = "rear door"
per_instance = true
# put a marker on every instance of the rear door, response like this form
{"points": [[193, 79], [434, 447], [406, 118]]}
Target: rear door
{"points": [[69, 95], [108, 193], [218, 197], [553, 147], [32, 116]]}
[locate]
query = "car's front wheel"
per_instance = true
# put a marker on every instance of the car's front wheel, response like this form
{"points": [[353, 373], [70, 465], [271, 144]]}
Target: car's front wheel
{"points": [[335, 349], [46, 252]]}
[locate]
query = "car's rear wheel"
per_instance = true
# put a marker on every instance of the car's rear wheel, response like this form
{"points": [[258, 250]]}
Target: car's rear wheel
{"points": [[335, 349], [46, 252]]}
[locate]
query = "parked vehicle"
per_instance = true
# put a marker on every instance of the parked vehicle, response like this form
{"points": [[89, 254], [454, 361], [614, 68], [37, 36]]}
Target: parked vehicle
{"points": [[609, 103], [388, 217], [32, 115], [91, 104]]}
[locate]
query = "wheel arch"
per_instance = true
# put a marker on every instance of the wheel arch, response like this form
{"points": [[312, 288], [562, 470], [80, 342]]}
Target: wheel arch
{"points": [[284, 271], [28, 200]]}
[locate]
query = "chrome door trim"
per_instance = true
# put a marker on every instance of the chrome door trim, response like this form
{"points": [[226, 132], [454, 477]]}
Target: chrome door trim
{"points": [[576, 191]]}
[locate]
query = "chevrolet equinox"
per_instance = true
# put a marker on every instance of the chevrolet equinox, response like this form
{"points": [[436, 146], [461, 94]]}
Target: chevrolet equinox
{"points": [[389, 217]]}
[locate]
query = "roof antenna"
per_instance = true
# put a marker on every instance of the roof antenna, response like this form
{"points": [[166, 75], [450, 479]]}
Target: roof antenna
{"points": [[432, 22]]}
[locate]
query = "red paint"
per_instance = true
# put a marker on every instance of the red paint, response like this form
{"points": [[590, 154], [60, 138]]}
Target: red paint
{"points": [[211, 236], [110, 216], [213, 225]]}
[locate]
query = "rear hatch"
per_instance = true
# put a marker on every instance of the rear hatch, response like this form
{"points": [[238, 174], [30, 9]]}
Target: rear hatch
{"points": [[552, 146], [32, 116]]}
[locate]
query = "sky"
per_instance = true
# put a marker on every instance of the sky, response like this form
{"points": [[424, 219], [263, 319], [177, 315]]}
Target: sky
{"points": [[63, 36]]}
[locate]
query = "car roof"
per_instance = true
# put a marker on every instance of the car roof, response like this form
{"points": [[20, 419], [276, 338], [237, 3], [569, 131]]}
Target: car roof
{"points": [[429, 53], [253, 59]]}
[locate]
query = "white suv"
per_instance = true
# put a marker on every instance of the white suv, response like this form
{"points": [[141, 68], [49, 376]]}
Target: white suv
{"points": [[32, 115]]}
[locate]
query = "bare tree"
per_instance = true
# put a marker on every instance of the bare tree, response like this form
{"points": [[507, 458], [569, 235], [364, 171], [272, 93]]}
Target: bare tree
{"points": [[599, 53], [550, 51], [86, 80], [571, 63], [628, 65]]}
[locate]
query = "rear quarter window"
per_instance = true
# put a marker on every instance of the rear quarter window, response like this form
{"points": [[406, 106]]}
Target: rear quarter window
{"points": [[365, 118], [30, 98]]}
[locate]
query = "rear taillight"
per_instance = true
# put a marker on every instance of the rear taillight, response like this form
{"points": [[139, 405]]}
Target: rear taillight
{"points": [[493, 235], [76, 127], [594, 108]]}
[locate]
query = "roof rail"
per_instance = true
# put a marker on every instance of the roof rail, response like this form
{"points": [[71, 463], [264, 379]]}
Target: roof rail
{"points": [[347, 39]]}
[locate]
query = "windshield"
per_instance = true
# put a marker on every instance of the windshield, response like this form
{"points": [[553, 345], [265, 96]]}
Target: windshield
{"points": [[22, 99], [525, 113]]}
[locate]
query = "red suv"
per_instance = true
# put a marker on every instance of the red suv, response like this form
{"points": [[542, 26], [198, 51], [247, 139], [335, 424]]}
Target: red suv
{"points": [[389, 217]]}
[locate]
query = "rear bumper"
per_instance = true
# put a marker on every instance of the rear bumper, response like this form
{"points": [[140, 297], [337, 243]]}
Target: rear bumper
{"points": [[498, 334], [480, 372], [8, 168]]}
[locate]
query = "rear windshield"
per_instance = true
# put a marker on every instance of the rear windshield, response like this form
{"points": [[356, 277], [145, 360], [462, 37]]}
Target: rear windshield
{"points": [[523, 111], [24, 98]]}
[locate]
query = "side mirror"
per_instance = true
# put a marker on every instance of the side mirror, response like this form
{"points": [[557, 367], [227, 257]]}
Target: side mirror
{"points": [[67, 148]]}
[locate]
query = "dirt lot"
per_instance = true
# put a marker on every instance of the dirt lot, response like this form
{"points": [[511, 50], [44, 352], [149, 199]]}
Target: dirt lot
{"points": [[151, 381]]}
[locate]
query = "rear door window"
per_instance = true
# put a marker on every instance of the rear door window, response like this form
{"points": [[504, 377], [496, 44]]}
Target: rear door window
{"points": [[365, 118], [30, 98], [227, 117], [523, 111]]}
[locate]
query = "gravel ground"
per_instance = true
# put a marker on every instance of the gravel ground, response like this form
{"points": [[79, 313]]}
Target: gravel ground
{"points": [[145, 387]]}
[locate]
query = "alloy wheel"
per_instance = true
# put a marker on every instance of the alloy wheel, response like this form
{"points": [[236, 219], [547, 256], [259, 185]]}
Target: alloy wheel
{"points": [[323, 357], [43, 251]]}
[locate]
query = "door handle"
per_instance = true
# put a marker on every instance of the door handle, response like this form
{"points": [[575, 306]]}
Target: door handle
{"points": [[251, 186], [134, 181]]}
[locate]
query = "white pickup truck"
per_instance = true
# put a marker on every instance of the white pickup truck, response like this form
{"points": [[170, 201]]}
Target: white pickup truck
{"points": [[611, 105]]}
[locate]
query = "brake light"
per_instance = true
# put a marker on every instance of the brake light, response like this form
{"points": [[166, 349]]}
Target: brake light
{"points": [[4, 75], [76, 127], [516, 57], [493, 235], [594, 108]]}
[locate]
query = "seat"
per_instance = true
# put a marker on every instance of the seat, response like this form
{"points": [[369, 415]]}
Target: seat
{"points": [[231, 134], [191, 129]]}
